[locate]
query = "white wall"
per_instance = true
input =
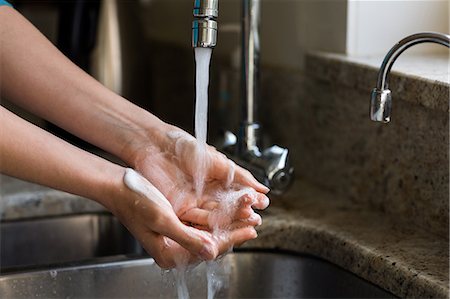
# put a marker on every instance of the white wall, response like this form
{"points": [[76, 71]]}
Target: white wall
{"points": [[375, 26]]}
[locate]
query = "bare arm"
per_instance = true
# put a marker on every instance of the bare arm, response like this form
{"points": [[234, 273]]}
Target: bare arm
{"points": [[39, 78], [36, 76], [42, 80], [32, 154]]}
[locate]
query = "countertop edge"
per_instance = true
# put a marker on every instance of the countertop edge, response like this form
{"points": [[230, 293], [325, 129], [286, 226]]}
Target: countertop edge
{"points": [[391, 271]]}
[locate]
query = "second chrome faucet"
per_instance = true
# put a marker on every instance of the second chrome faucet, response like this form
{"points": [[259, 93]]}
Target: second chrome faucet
{"points": [[381, 98]]}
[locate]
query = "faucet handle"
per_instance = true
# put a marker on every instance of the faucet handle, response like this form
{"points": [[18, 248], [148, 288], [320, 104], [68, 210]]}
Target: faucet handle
{"points": [[278, 170], [381, 105]]}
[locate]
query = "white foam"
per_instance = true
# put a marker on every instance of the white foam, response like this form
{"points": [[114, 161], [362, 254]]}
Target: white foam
{"points": [[143, 187]]}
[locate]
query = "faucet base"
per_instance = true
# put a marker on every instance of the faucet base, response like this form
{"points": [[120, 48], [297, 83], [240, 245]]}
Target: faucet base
{"points": [[270, 166]]}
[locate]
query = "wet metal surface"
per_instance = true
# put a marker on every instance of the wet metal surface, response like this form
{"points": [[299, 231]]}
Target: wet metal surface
{"points": [[251, 275]]}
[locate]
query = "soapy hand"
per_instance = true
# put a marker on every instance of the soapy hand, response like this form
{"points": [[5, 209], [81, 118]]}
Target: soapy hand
{"points": [[207, 191], [149, 216], [195, 182]]}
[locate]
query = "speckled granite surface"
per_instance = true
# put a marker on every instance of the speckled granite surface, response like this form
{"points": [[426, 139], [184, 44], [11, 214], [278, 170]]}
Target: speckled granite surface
{"points": [[419, 79], [400, 168], [397, 256], [401, 258]]}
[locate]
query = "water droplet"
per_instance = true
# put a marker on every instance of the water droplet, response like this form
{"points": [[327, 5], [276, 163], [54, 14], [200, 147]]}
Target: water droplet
{"points": [[53, 273]]}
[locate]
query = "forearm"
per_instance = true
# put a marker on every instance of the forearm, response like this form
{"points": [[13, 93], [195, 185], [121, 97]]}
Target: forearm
{"points": [[36, 76], [28, 152]]}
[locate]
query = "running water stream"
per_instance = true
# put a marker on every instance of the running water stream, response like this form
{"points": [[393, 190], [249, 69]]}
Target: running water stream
{"points": [[217, 271], [202, 61]]}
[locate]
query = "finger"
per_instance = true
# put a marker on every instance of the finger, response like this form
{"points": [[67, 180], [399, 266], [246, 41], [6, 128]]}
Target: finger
{"points": [[155, 245], [222, 168], [243, 213], [254, 220], [261, 202], [244, 177], [239, 236], [236, 238], [210, 205], [196, 216], [196, 241]]}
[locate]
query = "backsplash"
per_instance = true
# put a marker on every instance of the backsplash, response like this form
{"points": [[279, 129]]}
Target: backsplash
{"points": [[400, 168], [322, 116]]}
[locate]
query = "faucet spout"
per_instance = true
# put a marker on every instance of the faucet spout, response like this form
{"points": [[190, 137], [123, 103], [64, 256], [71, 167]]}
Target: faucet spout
{"points": [[204, 26], [381, 99]]}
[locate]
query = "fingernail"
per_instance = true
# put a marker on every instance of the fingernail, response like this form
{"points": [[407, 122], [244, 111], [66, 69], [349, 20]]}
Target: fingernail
{"points": [[265, 202]]}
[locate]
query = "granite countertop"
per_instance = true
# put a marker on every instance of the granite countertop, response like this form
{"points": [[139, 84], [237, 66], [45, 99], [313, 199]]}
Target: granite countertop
{"points": [[397, 256]]}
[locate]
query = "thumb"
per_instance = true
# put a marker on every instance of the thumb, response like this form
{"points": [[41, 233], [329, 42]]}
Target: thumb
{"points": [[198, 242]]}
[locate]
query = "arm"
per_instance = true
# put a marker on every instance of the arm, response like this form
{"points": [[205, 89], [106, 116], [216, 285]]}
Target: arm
{"points": [[36, 76], [32, 154], [42, 80], [39, 78]]}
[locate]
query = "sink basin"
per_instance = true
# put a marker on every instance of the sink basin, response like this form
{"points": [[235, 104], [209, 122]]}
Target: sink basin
{"points": [[42, 242], [254, 274], [94, 256]]}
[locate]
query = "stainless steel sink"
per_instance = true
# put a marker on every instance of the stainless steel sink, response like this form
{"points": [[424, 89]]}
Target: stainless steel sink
{"points": [[252, 275], [93, 256], [38, 243]]}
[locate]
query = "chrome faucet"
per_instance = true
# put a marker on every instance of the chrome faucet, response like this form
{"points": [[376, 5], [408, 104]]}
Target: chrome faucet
{"points": [[381, 99], [204, 26], [271, 165]]}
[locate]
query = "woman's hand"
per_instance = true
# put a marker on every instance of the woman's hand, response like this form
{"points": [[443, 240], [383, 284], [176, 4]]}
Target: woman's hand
{"points": [[149, 216], [221, 192]]}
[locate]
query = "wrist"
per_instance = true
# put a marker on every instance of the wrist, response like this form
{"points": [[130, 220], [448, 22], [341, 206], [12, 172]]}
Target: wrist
{"points": [[146, 141], [111, 189], [150, 134]]}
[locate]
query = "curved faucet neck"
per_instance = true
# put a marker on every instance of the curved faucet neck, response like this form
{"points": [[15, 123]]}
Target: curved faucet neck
{"points": [[381, 98], [401, 46]]}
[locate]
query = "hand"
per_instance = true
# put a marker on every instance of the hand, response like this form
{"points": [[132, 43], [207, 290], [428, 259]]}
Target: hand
{"points": [[150, 218], [172, 166]]}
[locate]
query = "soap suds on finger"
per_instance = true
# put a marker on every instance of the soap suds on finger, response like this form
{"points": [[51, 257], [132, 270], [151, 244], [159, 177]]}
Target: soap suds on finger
{"points": [[137, 183]]}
